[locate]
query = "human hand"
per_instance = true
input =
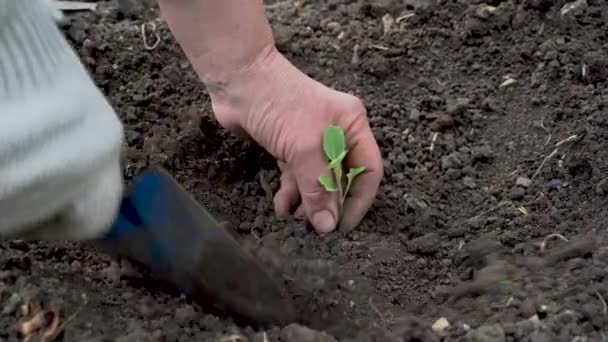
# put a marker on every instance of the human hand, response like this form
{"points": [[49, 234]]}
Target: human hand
{"points": [[285, 111]]}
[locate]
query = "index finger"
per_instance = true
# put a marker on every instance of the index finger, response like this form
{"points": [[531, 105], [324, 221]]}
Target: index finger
{"points": [[364, 151]]}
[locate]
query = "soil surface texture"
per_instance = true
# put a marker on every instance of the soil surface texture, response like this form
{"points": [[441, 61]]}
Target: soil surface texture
{"points": [[490, 224]]}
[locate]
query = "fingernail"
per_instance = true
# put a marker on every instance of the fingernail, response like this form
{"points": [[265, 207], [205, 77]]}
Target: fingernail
{"points": [[324, 221]]}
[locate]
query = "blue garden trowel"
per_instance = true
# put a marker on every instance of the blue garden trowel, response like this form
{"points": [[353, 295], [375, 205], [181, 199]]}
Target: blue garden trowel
{"points": [[162, 227]]}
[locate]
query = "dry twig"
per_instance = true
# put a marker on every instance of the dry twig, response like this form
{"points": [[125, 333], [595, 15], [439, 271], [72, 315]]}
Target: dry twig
{"points": [[144, 37], [233, 338], [543, 244], [557, 145], [604, 305]]}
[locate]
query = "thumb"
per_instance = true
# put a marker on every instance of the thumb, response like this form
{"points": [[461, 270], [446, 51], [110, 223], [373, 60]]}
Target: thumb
{"points": [[320, 205]]}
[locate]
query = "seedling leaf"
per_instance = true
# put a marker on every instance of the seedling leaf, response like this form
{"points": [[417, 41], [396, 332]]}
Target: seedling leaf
{"points": [[337, 163], [350, 177], [334, 143], [354, 172], [328, 183]]}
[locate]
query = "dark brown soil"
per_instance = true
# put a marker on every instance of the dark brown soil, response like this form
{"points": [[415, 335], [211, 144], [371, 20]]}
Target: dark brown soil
{"points": [[453, 234]]}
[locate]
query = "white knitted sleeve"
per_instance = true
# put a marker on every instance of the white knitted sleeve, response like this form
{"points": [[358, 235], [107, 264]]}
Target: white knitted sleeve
{"points": [[60, 140]]}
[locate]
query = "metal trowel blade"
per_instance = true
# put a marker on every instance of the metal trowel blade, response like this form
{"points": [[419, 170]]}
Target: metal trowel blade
{"points": [[209, 265]]}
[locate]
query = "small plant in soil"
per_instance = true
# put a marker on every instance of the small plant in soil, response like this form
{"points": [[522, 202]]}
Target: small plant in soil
{"points": [[334, 146]]}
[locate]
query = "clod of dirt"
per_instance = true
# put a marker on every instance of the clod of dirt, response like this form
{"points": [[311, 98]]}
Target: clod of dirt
{"points": [[577, 248], [283, 36], [376, 65], [298, 333], [492, 278], [185, 313], [601, 188], [378, 8], [414, 203], [426, 244], [11, 304], [540, 5], [595, 69], [112, 272], [517, 193], [487, 333], [412, 329], [415, 115], [452, 161], [442, 123], [469, 182], [479, 253], [457, 106]]}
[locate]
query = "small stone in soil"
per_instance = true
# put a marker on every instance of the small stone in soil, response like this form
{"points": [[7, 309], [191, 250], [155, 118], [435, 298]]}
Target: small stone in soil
{"points": [[440, 326], [523, 182], [554, 184]]}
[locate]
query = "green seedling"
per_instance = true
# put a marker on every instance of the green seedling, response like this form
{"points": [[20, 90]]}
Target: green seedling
{"points": [[334, 146]]}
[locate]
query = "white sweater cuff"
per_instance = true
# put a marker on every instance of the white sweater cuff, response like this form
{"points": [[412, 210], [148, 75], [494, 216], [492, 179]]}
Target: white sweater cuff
{"points": [[57, 131], [33, 48]]}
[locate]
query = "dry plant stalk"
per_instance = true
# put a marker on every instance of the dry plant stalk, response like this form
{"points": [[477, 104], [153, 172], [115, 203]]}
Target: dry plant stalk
{"points": [[45, 324]]}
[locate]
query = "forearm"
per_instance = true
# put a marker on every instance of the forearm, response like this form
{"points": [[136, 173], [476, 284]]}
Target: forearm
{"points": [[219, 37]]}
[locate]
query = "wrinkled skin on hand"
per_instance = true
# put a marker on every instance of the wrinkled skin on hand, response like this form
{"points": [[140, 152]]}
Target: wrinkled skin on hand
{"points": [[285, 111]]}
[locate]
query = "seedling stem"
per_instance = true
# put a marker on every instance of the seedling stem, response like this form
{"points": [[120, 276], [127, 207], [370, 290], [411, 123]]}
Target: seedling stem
{"points": [[334, 146]]}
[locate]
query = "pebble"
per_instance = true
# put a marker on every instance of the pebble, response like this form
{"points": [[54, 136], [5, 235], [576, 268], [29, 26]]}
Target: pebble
{"points": [[523, 182], [485, 11], [554, 184], [440, 326]]}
